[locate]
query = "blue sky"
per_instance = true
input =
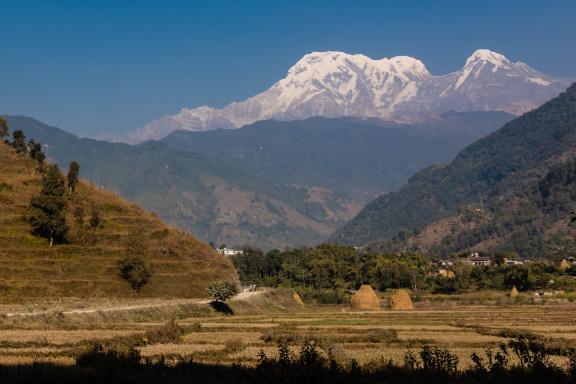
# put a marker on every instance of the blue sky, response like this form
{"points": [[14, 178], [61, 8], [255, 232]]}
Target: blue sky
{"points": [[112, 66]]}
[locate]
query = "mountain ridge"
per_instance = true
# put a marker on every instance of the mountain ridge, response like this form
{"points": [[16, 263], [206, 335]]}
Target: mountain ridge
{"points": [[337, 84], [273, 183]]}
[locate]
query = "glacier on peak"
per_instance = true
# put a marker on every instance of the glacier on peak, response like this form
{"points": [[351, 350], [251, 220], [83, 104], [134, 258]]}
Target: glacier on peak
{"points": [[336, 84]]}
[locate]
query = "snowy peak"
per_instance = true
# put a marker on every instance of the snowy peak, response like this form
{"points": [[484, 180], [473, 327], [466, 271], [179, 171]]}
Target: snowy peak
{"points": [[320, 64], [335, 84], [487, 56]]}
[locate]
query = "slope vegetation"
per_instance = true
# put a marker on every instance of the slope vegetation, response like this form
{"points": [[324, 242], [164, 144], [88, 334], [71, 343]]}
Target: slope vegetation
{"points": [[509, 190], [88, 263]]}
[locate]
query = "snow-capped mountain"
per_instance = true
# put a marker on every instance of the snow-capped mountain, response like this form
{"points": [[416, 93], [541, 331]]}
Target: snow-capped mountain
{"points": [[334, 84]]}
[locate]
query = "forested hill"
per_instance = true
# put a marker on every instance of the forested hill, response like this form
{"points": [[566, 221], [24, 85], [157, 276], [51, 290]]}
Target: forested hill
{"points": [[493, 195]]}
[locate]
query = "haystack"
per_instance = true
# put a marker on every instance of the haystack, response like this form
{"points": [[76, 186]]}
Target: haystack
{"points": [[564, 265], [365, 299], [401, 301], [297, 298], [514, 292]]}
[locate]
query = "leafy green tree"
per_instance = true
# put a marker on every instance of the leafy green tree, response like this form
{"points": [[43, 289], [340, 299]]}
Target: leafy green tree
{"points": [[35, 151], [47, 218], [517, 276], [3, 129], [73, 176], [19, 142], [222, 290]]}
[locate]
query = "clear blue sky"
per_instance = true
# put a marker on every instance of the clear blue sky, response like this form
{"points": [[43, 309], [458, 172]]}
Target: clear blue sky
{"points": [[111, 66]]}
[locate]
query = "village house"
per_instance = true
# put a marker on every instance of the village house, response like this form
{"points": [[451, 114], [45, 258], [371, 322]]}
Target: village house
{"points": [[513, 262], [230, 251], [477, 260]]}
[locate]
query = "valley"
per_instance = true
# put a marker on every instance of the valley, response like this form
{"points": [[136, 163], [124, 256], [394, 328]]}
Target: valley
{"points": [[287, 192]]}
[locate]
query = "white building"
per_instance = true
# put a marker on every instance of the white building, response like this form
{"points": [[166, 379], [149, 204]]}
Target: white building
{"points": [[230, 251]]}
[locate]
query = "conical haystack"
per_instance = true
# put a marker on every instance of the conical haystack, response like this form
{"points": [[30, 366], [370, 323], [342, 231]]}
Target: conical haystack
{"points": [[514, 292], [365, 299], [297, 299], [401, 301], [564, 265]]}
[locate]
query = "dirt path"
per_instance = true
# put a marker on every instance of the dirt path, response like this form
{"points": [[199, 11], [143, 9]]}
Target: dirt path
{"points": [[114, 308]]}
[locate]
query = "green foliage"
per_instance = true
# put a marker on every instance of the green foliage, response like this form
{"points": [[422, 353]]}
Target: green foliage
{"points": [[222, 290], [323, 273], [47, 209]]}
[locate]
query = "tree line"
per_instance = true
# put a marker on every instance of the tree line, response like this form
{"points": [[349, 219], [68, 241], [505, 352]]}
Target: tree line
{"points": [[338, 267]]}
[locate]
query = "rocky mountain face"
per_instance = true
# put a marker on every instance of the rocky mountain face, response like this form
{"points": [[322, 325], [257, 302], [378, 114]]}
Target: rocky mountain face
{"points": [[336, 84], [513, 190]]}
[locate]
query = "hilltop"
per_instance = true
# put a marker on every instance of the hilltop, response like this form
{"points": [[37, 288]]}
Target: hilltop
{"points": [[512, 190], [88, 264]]}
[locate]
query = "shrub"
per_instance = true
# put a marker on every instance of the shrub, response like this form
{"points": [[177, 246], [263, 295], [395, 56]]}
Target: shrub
{"points": [[135, 271], [222, 290], [170, 332]]}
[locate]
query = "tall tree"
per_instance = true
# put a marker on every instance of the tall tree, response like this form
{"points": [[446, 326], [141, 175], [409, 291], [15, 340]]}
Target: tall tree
{"points": [[47, 218], [19, 141], [3, 129], [35, 151], [73, 176]]}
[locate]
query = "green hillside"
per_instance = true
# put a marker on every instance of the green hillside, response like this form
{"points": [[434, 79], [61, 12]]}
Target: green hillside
{"points": [[88, 263], [492, 196]]}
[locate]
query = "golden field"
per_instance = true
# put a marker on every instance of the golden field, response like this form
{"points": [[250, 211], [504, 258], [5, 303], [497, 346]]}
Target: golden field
{"points": [[30, 332]]}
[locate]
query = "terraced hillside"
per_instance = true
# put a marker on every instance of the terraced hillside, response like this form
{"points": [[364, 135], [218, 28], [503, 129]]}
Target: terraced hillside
{"points": [[88, 264]]}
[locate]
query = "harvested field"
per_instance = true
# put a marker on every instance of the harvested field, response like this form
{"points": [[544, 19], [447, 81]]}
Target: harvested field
{"points": [[210, 337]]}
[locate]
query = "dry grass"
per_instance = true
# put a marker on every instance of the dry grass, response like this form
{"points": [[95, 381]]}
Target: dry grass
{"points": [[368, 336], [87, 266]]}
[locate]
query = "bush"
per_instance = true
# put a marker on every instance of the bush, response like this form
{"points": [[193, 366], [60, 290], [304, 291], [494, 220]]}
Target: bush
{"points": [[135, 271], [222, 290], [170, 332]]}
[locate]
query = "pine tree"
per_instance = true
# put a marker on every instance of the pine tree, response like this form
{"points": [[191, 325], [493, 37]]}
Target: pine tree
{"points": [[73, 176], [3, 129], [47, 218], [19, 142], [35, 151]]}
